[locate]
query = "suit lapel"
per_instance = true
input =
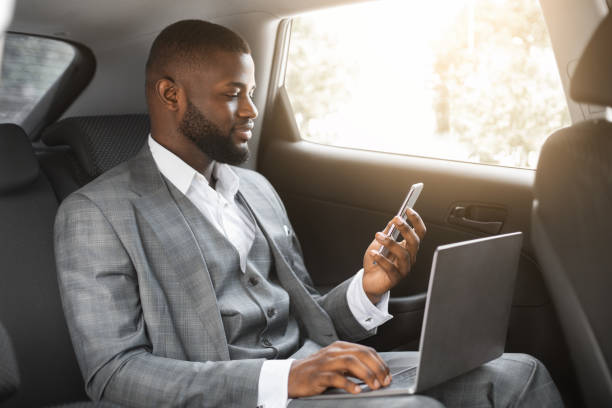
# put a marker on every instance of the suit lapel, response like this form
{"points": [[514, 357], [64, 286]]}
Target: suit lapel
{"points": [[161, 212], [158, 208], [317, 322]]}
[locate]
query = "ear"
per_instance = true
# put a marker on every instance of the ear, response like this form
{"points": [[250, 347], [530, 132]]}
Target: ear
{"points": [[169, 94]]}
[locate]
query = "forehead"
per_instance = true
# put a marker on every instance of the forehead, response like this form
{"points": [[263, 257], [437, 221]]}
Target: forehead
{"points": [[221, 68]]}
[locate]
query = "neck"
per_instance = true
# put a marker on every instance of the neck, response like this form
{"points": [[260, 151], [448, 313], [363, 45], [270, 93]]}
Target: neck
{"points": [[186, 151]]}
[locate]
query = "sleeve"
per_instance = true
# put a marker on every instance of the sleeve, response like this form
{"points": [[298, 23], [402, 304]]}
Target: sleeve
{"points": [[100, 295], [274, 384], [370, 316]]}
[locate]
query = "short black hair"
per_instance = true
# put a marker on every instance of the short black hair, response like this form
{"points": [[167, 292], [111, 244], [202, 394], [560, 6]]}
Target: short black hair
{"points": [[188, 44]]}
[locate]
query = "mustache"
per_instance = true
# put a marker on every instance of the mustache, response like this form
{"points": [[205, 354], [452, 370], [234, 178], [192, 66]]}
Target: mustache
{"points": [[247, 124]]}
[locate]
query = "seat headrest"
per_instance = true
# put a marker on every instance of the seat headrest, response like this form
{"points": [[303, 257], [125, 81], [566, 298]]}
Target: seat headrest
{"points": [[100, 142], [18, 165], [592, 80]]}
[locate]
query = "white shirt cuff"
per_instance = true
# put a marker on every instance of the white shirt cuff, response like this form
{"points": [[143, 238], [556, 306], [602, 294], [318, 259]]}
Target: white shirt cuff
{"points": [[273, 384], [367, 314]]}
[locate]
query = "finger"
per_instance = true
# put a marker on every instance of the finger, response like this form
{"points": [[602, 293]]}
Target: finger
{"points": [[385, 232], [397, 251], [351, 363], [376, 364], [417, 222], [413, 241], [387, 228], [408, 233], [337, 380], [340, 347], [389, 267], [344, 346]]}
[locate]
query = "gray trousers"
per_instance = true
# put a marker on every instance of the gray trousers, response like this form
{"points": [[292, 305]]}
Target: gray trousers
{"points": [[513, 380]]}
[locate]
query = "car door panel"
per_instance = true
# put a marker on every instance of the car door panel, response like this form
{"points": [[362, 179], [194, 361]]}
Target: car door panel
{"points": [[337, 198]]}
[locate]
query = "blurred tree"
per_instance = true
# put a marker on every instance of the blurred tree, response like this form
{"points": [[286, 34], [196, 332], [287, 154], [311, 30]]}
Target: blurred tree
{"points": [[501, 96], [319, 76], [489, 75]]}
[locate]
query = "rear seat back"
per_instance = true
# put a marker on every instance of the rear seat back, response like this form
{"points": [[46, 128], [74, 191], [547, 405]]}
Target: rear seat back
{"points": [[31, 187], [85, 147], [9, 373], [30, 306]]}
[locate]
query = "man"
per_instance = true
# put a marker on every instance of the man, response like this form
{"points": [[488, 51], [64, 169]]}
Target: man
{"points": [[182, 281]]}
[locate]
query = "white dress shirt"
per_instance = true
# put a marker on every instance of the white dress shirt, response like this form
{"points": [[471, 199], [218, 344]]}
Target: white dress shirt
{"points": [[218, 205]]}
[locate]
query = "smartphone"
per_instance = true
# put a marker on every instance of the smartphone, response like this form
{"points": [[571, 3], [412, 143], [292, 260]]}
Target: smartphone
{"points": [[409, 201]]}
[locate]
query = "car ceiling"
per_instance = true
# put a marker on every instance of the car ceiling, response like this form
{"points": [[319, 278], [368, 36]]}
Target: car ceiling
{"points": [[108, 21]]}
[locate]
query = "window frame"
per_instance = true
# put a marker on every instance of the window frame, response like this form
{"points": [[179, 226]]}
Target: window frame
{"points": [[66, 88], [279, 101]]}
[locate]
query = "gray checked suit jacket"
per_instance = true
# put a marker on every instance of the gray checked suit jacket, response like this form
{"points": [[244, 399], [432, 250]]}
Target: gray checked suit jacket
{"points": [[139, 301]]}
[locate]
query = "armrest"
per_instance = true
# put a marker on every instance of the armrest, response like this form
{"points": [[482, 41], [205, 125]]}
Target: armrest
{"points": [[403, 331], [406, 304]]}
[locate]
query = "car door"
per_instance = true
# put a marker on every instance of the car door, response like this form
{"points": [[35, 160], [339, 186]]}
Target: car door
{"points": [[338, 195]]}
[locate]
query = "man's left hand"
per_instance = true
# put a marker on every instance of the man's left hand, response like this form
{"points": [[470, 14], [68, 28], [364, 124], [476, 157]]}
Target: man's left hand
{"points": [[382, 273]]}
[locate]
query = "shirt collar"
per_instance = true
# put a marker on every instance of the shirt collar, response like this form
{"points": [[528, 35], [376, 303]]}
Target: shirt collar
{"points": [[227, 180], [183, 175]]}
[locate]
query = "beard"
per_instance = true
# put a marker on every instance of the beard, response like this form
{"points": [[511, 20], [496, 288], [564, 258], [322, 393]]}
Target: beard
{"points": [[210, 139]]}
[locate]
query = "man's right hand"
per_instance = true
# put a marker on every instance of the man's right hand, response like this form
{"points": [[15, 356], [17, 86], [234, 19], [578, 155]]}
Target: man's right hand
{"points": [[330, 366]]}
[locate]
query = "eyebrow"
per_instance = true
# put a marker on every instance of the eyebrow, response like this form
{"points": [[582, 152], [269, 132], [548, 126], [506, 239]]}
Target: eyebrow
{"points": [[239, 85]]}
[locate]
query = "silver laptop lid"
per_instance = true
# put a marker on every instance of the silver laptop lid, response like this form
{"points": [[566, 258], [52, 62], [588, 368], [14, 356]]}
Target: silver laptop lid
{"points": [[468, 306]]}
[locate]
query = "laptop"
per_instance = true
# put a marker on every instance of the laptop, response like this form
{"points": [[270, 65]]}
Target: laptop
{"points": [[466, 316]]}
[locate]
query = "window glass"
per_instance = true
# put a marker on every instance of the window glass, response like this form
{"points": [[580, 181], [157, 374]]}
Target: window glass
{"points": [[470, 80], [30, 66]]}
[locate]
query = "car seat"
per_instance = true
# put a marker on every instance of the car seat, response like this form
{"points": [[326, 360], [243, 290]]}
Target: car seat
{"points": [[572, 223]]}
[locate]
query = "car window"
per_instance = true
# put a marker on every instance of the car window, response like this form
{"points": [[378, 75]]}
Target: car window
{"points": [[30, 66], [471, 80]]}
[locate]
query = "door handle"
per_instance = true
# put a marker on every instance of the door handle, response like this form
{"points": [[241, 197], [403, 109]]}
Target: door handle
{"points": [[482, 218]]}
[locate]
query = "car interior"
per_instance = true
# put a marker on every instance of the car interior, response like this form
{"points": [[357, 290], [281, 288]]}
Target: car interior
{"points": [[77, 108]]}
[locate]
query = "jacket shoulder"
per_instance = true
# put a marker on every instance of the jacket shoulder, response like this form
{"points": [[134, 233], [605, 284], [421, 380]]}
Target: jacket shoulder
{"points": [[111, 186], [257, 181], [250, 175]]}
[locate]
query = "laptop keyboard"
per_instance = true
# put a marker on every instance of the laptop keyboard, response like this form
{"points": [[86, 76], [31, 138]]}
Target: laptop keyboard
{"points": [[403, 376]]}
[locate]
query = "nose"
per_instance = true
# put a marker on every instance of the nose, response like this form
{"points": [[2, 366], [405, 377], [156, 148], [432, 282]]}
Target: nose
{"points": [[248, 108]]}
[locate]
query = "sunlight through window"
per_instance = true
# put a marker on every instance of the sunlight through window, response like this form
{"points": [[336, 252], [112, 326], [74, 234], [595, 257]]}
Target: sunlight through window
{"points": [[472, 80]]}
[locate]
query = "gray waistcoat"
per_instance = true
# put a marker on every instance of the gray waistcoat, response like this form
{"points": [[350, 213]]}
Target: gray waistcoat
{"points": [[254, 308]]}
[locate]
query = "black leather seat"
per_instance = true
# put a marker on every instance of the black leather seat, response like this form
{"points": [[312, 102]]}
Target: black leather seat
{"points": [[30, 306], [572, 223]]}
